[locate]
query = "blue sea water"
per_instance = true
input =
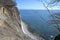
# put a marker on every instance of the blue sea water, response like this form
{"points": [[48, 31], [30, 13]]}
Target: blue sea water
{"points": [[38, 20]]}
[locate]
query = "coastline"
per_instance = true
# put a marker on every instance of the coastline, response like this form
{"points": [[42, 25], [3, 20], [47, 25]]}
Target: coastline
{"points": [[26, 32]]}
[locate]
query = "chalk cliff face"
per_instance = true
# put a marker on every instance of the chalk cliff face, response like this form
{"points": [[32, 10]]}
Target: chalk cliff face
{"points": [[10, 27]]}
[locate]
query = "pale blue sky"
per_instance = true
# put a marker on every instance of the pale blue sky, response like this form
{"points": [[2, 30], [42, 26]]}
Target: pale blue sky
{"points": [[31, 4]]}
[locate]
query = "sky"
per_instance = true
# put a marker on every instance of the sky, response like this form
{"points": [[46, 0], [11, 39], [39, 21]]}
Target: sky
{"points": [[33, 4]]}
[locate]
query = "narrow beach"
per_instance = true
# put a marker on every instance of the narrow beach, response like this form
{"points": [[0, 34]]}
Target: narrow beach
{"points": [[26, 32]]}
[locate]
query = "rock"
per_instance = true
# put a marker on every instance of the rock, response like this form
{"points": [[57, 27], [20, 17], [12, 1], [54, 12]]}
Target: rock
{"points": [[10, 26]]}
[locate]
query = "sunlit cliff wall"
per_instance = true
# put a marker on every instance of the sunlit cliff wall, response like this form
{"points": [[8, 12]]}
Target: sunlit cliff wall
{"points": [[10, 27]]}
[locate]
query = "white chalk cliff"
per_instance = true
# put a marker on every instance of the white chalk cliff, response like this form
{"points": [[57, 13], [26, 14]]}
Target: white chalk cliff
{"points": [[10, 27]]}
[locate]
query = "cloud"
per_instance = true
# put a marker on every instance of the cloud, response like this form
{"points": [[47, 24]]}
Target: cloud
{"points": [[54, 8]]}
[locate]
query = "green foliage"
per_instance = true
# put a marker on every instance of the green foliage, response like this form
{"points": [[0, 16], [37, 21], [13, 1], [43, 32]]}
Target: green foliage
{"points": [[37, 33], [34, 31]]}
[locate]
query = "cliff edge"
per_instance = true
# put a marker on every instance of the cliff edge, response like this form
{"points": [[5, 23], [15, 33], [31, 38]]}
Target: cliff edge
{"points": [[10, 26]]}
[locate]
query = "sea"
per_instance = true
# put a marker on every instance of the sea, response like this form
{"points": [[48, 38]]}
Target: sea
{"points": [[39, 21]]}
